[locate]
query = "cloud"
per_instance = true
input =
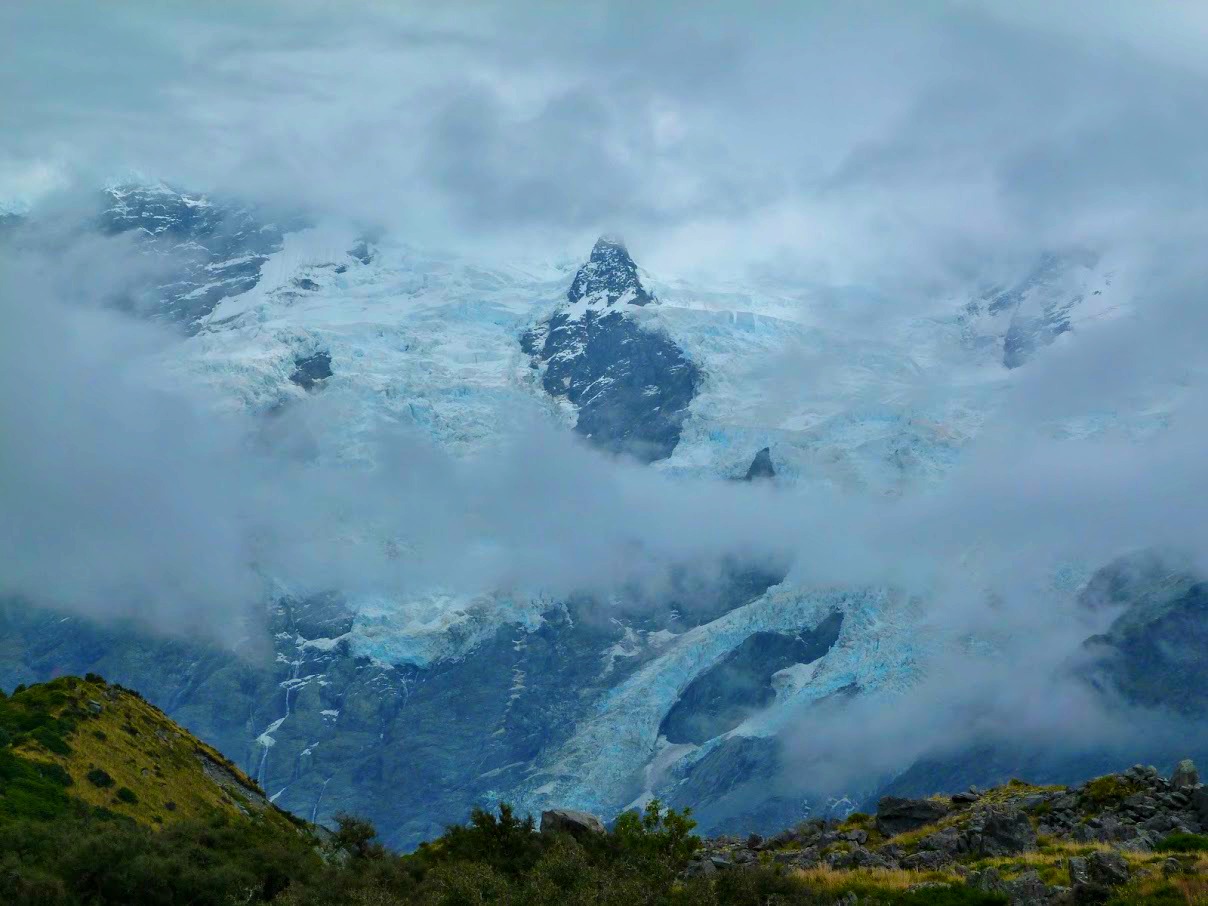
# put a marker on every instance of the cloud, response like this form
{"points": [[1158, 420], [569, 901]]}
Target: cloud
{"points": [[887, 157]]}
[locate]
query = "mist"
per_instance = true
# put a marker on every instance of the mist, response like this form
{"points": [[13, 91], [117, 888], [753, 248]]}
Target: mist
{"points": [[910, 153]]}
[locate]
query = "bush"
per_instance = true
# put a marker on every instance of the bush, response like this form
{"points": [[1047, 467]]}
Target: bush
{"points": [[100, 778], [656, 838], [507, 844], [1182, 843], [127, 795], [356, 837]]}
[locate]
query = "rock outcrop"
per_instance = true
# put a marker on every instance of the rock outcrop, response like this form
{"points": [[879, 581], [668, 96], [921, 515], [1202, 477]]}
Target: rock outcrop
{"points": [[1017, 841], [630, 384], [568, 821]]}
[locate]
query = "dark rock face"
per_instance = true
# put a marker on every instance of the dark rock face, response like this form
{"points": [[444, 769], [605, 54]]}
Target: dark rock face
{"points": [[609, 276], [410, 748], [761, 466], [1156, 652], [211, 250], [724, 696], [311, 370], [631, 386], [896, 815], [1002, 833], [567, 821]]}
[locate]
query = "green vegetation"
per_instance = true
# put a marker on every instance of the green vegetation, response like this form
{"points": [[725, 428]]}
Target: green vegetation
{"points": [[1109, 790], [104, 800], [1183, 843], [98, 777]]}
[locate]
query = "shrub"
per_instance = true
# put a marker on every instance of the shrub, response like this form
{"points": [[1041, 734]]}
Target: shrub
{"points": [[507, 844], [656, 837], [100, 778], [356, 837], [127, 795], [1109, 790], [1183, 843]]}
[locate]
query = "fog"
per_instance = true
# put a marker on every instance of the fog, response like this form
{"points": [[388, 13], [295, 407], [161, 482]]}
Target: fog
{"points": [[912, 152]]}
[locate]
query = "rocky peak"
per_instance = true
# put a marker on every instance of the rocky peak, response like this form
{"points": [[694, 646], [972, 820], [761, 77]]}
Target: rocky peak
{"points": [[608, 277]]}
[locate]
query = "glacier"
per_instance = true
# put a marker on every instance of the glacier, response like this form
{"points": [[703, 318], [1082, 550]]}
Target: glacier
{"points": [[517, 693]]}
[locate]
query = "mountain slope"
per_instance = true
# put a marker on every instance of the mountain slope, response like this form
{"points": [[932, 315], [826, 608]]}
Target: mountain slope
{"points": [[96, 744]]}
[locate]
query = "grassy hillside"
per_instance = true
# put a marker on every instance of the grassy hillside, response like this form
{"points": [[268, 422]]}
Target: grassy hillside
{"points": [[86, 741]]}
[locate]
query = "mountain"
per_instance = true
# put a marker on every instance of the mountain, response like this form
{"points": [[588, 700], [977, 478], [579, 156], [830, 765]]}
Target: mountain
{"points": [[78, 745], [631, 386], [1024, 316], [209, 250], [408, 707]]}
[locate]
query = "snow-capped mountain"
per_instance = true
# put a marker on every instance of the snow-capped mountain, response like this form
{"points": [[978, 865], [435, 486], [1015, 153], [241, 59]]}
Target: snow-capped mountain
{"points": [[210, 250], [409, 709], [630, 385], [1029, 314]]}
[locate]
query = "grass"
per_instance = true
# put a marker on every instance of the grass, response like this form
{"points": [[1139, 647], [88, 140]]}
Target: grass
{"points": [[1183, 843], [125, 745]]}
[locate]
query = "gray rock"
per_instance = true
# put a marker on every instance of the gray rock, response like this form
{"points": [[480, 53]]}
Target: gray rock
{"points": [[802, 858], [1141, 843], [928, 860], [761, 466], [1079, 873], [949, 840], [859, 857], [1004, 833], [964, 798], [567, 821], [1199, 804], [1028, 890], [896, 815], [1185, 776], [1107, 868], [987, 881], [699, 868]]}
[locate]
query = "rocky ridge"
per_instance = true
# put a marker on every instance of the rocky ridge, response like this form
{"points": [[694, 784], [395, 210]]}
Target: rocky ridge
{"points": [[1125, 834]]}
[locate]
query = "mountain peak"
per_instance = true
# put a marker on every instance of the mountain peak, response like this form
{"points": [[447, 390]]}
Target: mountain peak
{"points": [[609, 276]]}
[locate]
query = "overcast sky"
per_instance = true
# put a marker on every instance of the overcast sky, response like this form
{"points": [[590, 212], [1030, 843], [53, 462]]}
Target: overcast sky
{"points": [[847, 139]]}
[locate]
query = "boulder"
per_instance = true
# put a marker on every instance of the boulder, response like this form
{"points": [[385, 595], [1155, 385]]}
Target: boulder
{"points": [[928, 860], [1107, 868], [1028, 890], [1199, 805], [567, 821], [1003, 833], [950, 840], [1185, 776], [896, 815]]}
